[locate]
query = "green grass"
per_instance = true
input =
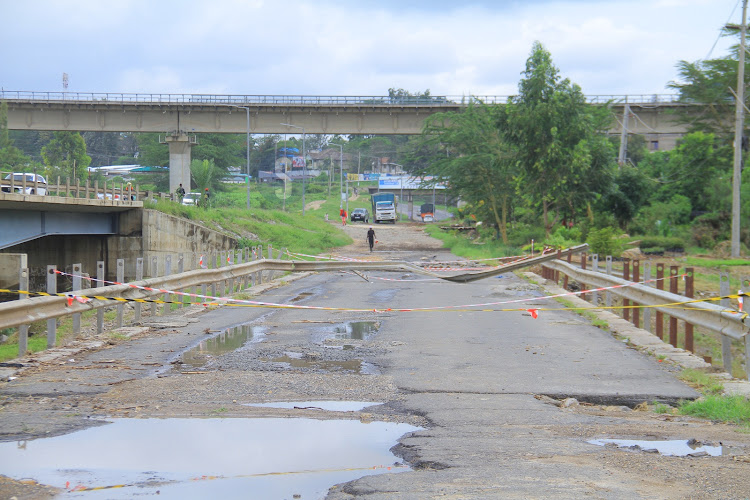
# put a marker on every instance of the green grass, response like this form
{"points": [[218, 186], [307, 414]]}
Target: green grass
{"points": [[731, 409], [700, 262], [701, 381], [462, 246]]}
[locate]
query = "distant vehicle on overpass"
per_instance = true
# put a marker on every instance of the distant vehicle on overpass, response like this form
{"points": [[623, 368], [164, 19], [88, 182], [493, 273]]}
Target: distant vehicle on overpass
{"points": [[24, 183]]}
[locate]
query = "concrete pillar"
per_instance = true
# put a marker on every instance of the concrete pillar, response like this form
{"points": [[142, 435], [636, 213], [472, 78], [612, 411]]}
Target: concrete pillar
{"points": [[179, 160]]}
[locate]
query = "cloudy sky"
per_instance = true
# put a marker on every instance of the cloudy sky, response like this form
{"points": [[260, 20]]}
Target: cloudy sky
{"points": [[350, 47]]}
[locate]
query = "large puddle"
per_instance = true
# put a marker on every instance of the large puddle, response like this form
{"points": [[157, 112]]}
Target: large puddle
{"points": [[207, 458], [670, 448], [358, 330], [344, 406], [298, 360], [229, 340]]}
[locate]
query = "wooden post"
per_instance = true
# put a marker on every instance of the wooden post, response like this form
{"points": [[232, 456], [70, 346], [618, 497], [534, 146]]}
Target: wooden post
{"points": [[647, 311], [636, 279], [626, 277], [673, 288], [565, 278], [659, 314], [689, 293]]}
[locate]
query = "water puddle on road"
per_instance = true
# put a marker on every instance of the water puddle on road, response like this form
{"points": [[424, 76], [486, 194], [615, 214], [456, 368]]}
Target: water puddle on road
{"points": [[227, 341], [343, 406], [358, 330], [295, 360], [208, 458], [671, 448]]}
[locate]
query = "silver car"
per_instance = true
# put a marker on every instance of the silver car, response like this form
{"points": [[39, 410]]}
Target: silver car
{"points": [[35, 183]]}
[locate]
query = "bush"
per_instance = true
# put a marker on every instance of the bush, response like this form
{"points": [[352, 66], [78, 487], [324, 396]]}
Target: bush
{"points": [[604, 242], [664, 243], [711, 228]]}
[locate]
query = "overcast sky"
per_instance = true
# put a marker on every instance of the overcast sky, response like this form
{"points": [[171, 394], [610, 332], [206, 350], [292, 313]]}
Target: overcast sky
{"points": [[349, 47]]}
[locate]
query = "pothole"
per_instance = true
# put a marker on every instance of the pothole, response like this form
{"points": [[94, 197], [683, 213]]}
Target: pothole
{"points": [[670, 448], [339, 406], [228, 340], [208, 458]]}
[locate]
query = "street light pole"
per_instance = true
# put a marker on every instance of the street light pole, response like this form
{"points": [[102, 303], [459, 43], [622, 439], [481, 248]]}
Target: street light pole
{"points": [[247, 179], [304, 162], [341, 171]]}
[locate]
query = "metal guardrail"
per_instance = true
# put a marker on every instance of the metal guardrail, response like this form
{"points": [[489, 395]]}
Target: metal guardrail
{"points": [[157, 98], [706, 315]]}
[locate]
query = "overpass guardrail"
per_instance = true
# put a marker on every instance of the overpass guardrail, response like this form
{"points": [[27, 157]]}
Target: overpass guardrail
{"points": [[307, 100]]}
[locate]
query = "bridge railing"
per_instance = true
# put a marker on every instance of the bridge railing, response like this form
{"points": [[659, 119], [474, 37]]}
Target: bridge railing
{"points": [[230, 100], [638, 293]]}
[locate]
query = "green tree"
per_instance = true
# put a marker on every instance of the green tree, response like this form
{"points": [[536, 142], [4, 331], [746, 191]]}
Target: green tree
{"points": [[65, 155], [476, 160], [206, 174], [10, 156], [562, 162]]}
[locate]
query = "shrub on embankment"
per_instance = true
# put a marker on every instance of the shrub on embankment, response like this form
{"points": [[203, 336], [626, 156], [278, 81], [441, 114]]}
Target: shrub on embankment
{"points": [[308, 234]]}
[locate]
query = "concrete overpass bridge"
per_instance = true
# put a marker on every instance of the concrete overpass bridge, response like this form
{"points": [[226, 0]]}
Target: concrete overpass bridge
{"points": [[177, 116]]}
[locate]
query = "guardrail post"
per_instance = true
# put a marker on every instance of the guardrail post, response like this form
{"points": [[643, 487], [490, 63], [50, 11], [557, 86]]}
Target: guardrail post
{"points": [[78, 187], [88, 188], [99, 283], [212, 265], [636, 279], [96, 189], [23, 330], [689, 293], [626, 276], [557, 273], [673, 288], [51, 289], [647, 310], [230, 262], [204, 287], [565, 279], [67, 187], [608, 294], [595, 268], [153, 272], [76, 288], [120, 271], [584, 258], [180, 270], [726, 342], [138, 277], [259, 252], [253, 257], [167, 271], [659, 314]]}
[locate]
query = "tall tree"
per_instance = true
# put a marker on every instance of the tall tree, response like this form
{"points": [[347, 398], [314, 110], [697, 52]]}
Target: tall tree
{"points": [[66, 155], [560, 157], [10, 156], [475, 159]]}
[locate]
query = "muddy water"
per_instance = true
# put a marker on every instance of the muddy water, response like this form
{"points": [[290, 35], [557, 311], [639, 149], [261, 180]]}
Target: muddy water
{"points": [[227, 341], [207, 458], [669, 448]]}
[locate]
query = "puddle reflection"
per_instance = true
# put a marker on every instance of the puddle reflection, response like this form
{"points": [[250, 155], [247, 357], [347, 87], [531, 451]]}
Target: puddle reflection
{"points": [[351, 365], [208, 458], [359, 330], [671, 448], [229, 340], [318, 405]]}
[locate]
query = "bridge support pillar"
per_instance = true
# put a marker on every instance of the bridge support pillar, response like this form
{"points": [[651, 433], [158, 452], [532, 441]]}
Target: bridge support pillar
{"points": [[179, 160]]}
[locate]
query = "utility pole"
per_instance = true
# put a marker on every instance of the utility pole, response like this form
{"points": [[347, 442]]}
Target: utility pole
{"points": [[624, 135], [738, 133]]}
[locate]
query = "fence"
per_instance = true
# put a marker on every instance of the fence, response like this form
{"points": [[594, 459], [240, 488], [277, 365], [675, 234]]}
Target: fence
{"points": [[33, 184], [221, 273], [641, 292]]}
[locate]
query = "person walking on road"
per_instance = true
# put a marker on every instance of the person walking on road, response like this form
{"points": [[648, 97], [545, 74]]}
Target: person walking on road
{"points": [[371, 238]]}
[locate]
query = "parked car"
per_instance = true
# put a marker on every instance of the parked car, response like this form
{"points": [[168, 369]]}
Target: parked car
{"points": [[191, 199], [35, 183], [360, 214]]}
